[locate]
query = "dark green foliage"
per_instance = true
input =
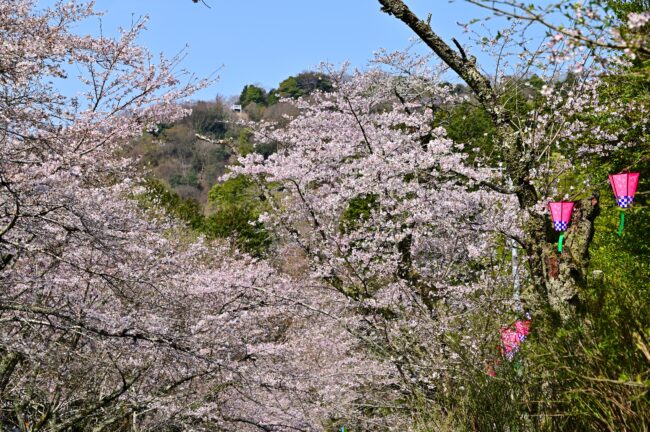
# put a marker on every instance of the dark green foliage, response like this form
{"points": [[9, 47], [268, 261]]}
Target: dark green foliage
{"points": [[266, 149], [359, 209], [252, 93], [187, 210], [311, 81], [245, 143], [272, 98], [239, 222], [235, 218], [304, 84], [470, 126], [190, 179], [232, 191], [238, 202], [289, 88], [208, 118], [293, 87], [536, 82]]}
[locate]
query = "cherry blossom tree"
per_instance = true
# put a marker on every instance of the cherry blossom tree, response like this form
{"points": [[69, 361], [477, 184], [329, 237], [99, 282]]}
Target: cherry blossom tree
{"points": [[591, 24], [556, 279], [389, 235], [409, 226], [112, 316]]}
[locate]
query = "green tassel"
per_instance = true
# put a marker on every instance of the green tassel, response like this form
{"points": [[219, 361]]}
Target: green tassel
{"points": [[621, 224], [559, 243]]}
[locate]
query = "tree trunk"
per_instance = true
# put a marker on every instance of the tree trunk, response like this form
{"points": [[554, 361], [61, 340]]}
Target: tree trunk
{"points": [[565, 273]]}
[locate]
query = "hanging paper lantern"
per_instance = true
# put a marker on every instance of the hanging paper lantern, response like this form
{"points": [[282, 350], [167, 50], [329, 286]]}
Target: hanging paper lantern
{"points": [[624, 186], [561, 215], [512, 338]]}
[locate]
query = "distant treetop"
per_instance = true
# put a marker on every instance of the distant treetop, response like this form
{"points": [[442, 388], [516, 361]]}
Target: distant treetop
{"points": [[293, 87]]}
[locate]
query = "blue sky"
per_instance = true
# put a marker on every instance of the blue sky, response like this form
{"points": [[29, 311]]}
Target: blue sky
{"points": [[265, 41]]}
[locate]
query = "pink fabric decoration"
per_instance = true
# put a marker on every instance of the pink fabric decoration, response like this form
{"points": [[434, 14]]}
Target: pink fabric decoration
{"points": [[511, 338], [624, 186], [522, 328], [561, 214]]}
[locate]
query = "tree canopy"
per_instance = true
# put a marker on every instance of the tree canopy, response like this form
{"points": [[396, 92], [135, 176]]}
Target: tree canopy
{"points": [[369, 250]]}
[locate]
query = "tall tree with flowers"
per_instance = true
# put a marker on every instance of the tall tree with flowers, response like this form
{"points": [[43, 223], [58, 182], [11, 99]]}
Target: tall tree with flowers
{"points": [[409, 225], [557, 280], [112, 316]]}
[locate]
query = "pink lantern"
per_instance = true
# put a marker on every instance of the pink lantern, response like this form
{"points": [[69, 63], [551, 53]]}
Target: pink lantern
{"points": [[512, 338], [624, 186], [561, 215]]}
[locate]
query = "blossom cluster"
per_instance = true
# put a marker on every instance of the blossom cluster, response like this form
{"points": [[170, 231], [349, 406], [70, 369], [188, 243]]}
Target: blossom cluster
{"points": [[638, 20]]}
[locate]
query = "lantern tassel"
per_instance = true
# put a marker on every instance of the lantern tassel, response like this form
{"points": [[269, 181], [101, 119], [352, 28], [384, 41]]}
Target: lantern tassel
{"points": [[621, 224], [559, 243]]}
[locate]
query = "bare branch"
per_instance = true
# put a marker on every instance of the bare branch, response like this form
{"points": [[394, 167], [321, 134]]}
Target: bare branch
{"points": [[225, 142], [460, 48], [464, 67]]}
